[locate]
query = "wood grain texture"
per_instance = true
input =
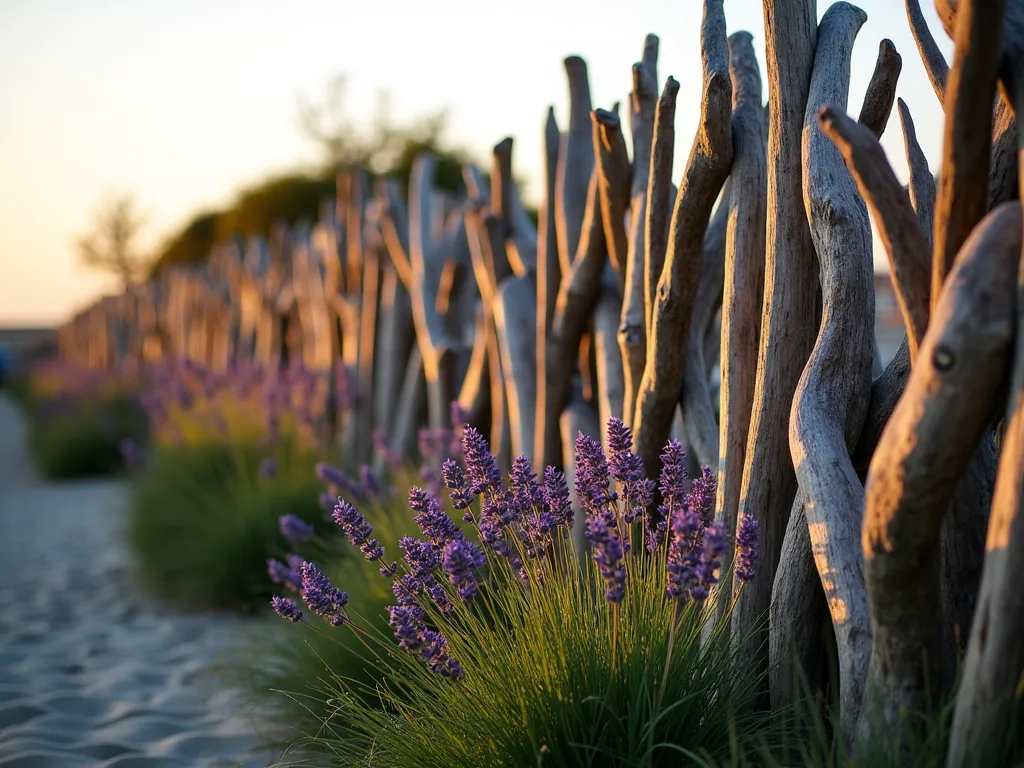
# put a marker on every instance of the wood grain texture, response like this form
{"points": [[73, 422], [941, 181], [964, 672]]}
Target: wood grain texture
{"points": [[935, 65], [706, 171], [613, 180], [924, 450], [922, 184], [611, 384], [515, 312]]}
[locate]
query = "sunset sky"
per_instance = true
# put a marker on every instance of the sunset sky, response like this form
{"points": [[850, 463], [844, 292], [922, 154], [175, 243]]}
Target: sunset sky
{"points": [[183, 102]]}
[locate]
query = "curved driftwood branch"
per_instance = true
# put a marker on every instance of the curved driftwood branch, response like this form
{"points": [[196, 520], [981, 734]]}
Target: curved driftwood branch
{"points": [[967, 139], [613, 179], [984, 714], [787, 326], [934, 62], [515, 311], [698, 408], [546, 448], [881, 92], [1002, 175], [744, 284], [894, 217], [475, 395], [924, 450], [922, 183], [828, 410], [633, 320], [575, 164], [706, 172]]}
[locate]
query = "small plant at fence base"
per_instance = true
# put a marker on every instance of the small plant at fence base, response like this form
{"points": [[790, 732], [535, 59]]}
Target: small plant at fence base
{"points": [[517, 650]]}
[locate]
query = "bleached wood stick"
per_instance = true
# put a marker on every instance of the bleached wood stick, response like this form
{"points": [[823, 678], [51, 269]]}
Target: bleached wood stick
{"points": [[396, 340], [367, 389], [787, 328], [611, 385], [613, 180], [633, 319], [743, 287], [881, 91], [576, 297], [659, 210], [437, 346], [922, 183], [924, 449], [698, 409], [515, 312], [412, 408], [706, 171], [575, 164], [967, 139], [475, 395]]}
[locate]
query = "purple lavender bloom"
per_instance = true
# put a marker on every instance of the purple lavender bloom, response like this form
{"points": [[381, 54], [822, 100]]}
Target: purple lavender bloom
{"points": [[337, 478], [591, 476], [431, 480], [369, 481], [288, 575], [131, 454], [747, 549], [461, 558], [525, 493], [683, 552], [481, 467], [455, 480], [268, 468], [672, 485], [434, 652], [407, 621], [712, 548], [404, 588], [294, 528], [327, 501], [354, 525], [628, 469], [460, 418], [322, 597], [608, 554], [431, 518], [420, 556], [285, 608], [392, 460], [556, 496], [702, 494]]}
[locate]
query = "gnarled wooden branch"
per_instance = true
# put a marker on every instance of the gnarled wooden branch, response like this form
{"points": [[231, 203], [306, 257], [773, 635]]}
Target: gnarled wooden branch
{"points": [[1002, 175], [744, 285], [790, 287], [881, 92], [924, 450], [894, 217], [706, 172], [633, 321], [575, 164], [611, 385], [984, 714], [967, 140], [829, 409], [934, 62]]}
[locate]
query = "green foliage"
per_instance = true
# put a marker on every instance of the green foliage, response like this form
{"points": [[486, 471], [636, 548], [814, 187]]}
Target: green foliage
{"points": [[286, 680], [191, 244], [203, 521], [81, 437]]}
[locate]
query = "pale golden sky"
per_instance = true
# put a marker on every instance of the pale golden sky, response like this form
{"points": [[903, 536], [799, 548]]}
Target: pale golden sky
{"points": [[183, 102]]}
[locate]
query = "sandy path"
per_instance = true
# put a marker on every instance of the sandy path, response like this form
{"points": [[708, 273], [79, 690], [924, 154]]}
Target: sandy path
{"points": [[91, 672]]}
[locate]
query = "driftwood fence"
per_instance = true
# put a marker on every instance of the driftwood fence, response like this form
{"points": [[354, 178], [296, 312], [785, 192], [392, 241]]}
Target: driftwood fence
{"points": [[889, 505]]}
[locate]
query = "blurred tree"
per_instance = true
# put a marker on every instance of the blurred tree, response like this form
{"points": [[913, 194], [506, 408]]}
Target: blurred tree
{"points": [[111, 244], [193, 243]]}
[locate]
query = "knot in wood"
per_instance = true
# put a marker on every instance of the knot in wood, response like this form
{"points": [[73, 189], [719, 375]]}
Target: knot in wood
{"points": [[943, 358]]}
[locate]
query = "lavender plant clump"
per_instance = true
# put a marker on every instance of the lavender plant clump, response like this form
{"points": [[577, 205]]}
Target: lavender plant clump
{"points": [[528, 518]]}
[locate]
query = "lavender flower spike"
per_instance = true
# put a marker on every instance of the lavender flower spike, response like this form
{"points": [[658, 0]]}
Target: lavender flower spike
{"points": [[461, 558], [556, 496], [283, 574], [322, 597], [702, 494], [747, 549], [481, 467], [455, 481], [294, 528], [352, 522], [431, 517], [285, 608], [591, 475], [628, 469]]}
